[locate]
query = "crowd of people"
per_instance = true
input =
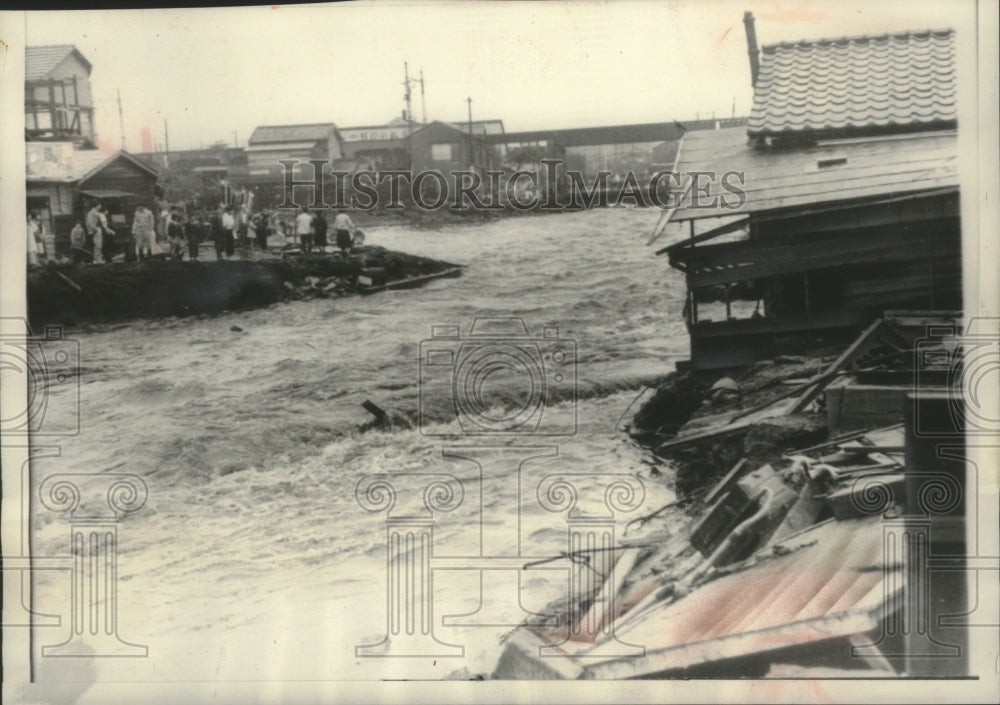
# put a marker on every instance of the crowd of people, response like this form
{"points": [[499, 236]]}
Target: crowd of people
{"points": [[92, 240]]}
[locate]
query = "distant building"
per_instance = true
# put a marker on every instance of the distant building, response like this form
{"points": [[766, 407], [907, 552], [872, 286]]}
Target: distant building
{"points": [[442, 147], [270, 143], [386, 146], [262, 173], [850, 198], [58, 103], [640, 148], [377, 146], [63, 183]]}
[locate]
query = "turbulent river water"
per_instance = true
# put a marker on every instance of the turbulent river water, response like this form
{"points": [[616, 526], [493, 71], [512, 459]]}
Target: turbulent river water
{"points": [[253, 558]]}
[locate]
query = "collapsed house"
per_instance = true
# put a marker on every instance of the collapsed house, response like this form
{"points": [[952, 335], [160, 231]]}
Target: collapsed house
{"points": [[845, 558], [848, 169], [842, 557]]}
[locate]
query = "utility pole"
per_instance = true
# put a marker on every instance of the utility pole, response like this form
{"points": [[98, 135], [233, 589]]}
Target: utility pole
{"points": [[469, 101], [423, 102], [166, 143], [406, 94], [236, 142], [121, 120]]}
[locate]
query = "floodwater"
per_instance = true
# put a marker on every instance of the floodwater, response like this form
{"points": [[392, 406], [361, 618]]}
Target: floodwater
{"points": [[253, 557]]}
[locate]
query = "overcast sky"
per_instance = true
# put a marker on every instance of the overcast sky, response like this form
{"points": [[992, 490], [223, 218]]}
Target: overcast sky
{"points": [[535, 65]]}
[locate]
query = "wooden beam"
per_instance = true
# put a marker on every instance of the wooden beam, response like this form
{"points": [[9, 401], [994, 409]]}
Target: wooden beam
{"points": [[724, 484], [860, 345], [715, 232]]}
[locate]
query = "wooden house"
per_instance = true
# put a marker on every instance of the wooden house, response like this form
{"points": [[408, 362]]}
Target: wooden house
{"points": [[58, 103], [837, 201], [64, 183], [442, 147]]}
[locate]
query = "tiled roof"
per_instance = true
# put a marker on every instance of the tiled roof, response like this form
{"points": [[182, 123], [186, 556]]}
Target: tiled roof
{"points": [[40, 61], [882, 81], [291, 133]]}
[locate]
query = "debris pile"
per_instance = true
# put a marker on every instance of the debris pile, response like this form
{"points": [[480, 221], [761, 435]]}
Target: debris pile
{"points": [[781, 565]]}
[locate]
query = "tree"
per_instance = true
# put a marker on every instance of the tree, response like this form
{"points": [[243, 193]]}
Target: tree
{"points": [[180, 185]]}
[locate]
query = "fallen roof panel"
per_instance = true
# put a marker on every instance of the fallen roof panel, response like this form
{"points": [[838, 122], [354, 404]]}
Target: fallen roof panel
{"points": [[830, 586]]}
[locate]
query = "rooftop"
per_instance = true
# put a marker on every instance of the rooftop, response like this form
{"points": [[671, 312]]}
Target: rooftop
{"points": [[827, 172], [880, 81], [291, 133], [39, 61]]}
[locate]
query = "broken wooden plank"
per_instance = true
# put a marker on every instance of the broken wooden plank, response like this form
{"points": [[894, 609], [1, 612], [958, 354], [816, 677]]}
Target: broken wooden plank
{"points": [[858, 347], [602, 609], [724, 484], [711, 433]]}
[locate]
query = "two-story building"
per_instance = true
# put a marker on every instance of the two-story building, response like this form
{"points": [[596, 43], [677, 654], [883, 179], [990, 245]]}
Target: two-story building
{"points": [[58, 103]]}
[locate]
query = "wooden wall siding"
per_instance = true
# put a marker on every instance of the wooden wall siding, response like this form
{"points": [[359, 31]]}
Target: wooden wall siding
{"points": [[915, 209], [750, 260]]}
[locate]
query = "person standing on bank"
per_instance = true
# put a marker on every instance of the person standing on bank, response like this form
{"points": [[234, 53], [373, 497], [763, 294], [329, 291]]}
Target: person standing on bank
{"points": [[304, 229], [144, 231], [97, 228], [343, 228], [228, 226], [218, 234], [319, 231], [35, 244], [78, 244], [261, 228], [175, 233], [192, 233]]}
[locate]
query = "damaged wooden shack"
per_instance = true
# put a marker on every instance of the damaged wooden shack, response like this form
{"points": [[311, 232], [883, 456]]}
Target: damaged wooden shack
{"points": [[841, 200]]}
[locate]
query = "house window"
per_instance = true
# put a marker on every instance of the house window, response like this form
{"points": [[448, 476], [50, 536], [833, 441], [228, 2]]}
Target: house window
{"points": [[442, 152]]}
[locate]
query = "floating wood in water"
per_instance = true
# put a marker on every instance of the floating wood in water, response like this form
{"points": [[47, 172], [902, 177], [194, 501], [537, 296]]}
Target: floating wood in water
{"points": [[373, 409], [412, 282]]}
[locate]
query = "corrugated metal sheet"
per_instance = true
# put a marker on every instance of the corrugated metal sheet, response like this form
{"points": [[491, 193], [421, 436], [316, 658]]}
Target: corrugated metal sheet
{"points": [[901, 79], [41, 60], [291, 133], [823, 590], [832, 171]]}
